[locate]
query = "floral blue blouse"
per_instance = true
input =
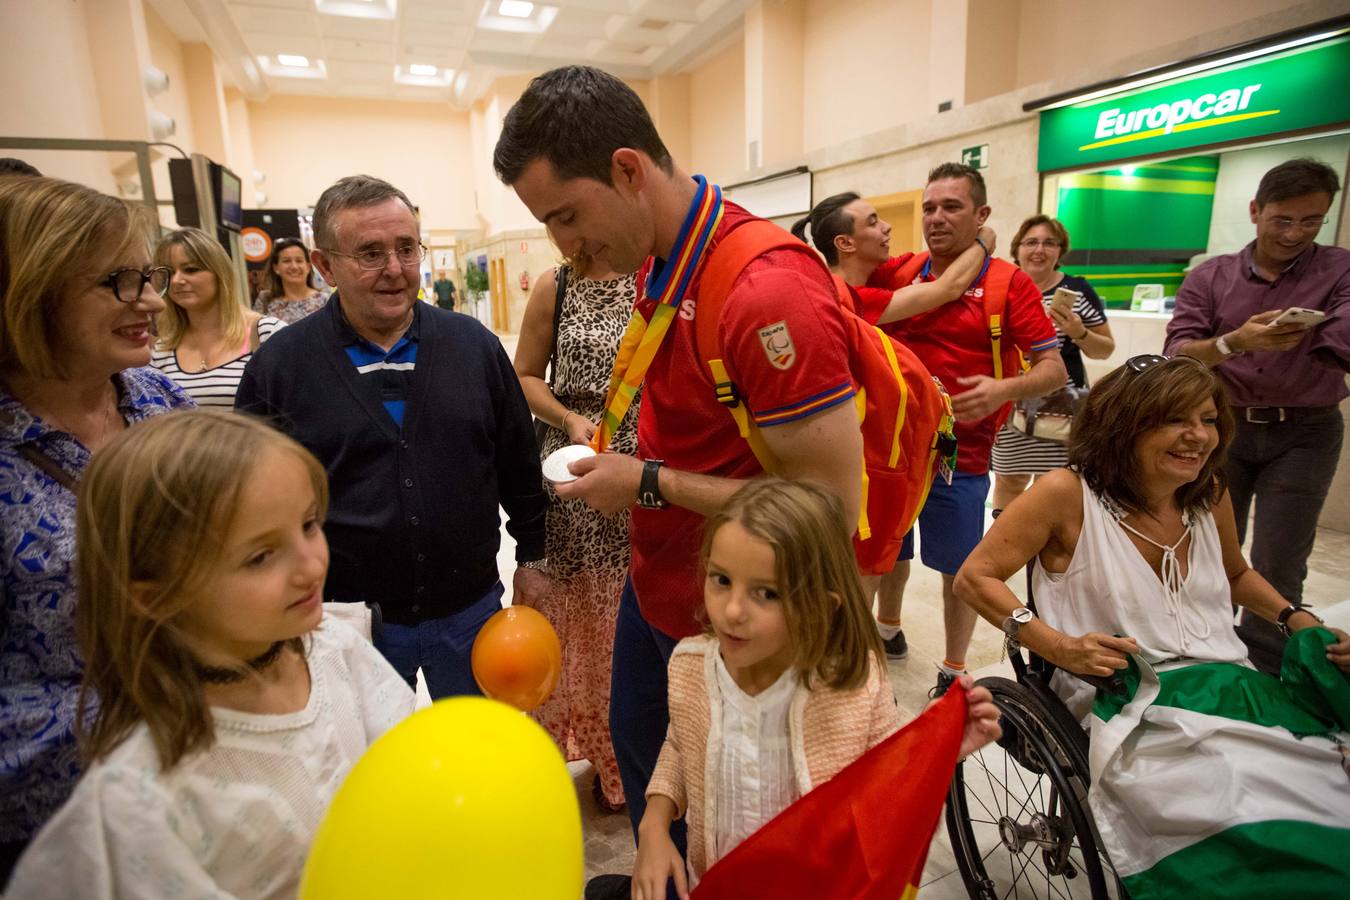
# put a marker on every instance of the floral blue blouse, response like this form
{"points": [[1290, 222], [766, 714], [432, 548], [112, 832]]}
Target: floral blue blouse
{"points": [[39, 660]]}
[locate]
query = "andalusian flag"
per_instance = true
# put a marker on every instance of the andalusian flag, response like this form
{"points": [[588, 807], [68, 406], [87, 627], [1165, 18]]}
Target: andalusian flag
{"points": [[1215, 780], [862, 835]]}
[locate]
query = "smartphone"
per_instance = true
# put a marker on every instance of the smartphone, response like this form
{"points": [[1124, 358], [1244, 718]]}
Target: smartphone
{"points": [[1297, 315], [1063, 300]]}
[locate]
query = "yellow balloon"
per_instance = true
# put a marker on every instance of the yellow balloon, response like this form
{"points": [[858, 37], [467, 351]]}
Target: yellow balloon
{"points": [[467, 799]]}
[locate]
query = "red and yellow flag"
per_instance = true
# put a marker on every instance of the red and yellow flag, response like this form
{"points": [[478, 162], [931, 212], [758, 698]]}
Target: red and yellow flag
{"points": [[862, 835]]}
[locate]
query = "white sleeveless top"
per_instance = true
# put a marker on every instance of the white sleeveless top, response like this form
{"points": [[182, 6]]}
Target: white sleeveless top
{"points": [[1110, 588]]}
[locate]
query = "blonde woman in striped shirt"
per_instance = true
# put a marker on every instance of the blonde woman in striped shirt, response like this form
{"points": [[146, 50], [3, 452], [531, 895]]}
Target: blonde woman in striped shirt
{"points": [[206, 332]]}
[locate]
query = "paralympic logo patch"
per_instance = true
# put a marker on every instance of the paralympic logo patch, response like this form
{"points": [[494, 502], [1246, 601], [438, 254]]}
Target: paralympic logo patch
{"points": [[778, 346]]}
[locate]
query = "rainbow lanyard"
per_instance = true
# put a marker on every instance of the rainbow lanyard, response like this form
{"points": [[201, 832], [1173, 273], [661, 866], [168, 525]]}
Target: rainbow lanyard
{"points": [[666, 287]]}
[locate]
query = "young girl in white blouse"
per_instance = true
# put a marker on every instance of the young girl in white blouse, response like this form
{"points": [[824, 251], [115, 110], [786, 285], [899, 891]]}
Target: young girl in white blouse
{"points": [[787, 686], [219, 714]]}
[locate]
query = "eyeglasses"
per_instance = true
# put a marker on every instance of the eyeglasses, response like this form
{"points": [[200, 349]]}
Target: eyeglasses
{"points": [[370, 260], [1032, 244], [127, 284], [1312, 223]]}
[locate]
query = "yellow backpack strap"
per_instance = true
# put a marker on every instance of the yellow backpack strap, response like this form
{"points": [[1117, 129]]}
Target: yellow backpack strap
{"points": [[727, 396], [997, 280]]}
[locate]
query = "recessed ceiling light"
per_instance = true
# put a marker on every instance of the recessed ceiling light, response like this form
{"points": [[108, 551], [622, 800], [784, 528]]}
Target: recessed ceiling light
{"points": [[295, 62], [515, 9], [422, 69]]}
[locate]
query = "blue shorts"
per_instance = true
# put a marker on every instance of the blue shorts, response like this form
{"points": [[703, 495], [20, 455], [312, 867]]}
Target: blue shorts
{"points": [[951, 522]]}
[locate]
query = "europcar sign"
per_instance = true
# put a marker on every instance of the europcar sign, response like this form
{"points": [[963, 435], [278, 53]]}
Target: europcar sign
{"points": [[1304, 87]]}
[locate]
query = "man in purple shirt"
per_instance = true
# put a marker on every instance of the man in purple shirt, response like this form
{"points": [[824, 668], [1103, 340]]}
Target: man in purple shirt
{"points": [[1285, 382]]}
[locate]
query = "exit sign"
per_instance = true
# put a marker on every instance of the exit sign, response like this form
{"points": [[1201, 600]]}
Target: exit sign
{"points": [[976, 157]]}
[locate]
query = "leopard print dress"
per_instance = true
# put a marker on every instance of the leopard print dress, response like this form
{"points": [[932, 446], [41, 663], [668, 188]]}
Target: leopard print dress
{"points": [[587, 551]]}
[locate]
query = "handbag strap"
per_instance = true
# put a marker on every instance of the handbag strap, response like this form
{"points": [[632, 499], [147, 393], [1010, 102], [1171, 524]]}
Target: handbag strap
{"points": [[48, 465], [560, 276]]}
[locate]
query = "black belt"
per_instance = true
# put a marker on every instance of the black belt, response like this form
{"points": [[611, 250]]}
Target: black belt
{"points": [[1275, 415]]}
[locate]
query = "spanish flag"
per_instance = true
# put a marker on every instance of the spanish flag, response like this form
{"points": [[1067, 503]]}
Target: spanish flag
{"points": [[862, 835]]}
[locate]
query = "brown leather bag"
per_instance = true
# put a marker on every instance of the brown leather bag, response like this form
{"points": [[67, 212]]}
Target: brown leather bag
{"points": [[1049, 418]]}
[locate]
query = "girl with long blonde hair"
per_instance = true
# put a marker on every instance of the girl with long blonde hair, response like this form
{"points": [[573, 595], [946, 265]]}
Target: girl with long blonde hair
{"points": [[790, 655], [228, 709]]}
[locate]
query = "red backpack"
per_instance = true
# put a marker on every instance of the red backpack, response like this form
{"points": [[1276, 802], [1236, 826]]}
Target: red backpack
{"points": [[1008, 360], [903, 411]]}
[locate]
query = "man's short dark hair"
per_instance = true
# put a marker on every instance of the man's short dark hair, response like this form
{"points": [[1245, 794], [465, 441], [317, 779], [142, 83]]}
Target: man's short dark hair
{"points": [[576, 117], [346, 193], [960, 170], [11, 166], [1297, 178]]}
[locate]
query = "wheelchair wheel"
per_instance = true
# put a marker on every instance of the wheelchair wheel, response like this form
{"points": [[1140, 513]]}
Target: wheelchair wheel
{"points": [[1017, 811]]}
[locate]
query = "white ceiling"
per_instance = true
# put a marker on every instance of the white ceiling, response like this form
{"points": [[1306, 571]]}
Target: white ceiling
{"points": [[359, 55]]}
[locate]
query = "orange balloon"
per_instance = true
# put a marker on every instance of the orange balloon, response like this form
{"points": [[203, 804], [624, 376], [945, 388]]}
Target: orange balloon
{"points": [[517, 657]]}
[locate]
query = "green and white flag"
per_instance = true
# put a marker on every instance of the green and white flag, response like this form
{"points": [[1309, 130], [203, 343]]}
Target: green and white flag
{"points": [[1215, 780]]}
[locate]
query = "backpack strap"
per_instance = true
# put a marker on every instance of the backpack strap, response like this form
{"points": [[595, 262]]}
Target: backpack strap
{"points": [[725, 262], [995, 300]]}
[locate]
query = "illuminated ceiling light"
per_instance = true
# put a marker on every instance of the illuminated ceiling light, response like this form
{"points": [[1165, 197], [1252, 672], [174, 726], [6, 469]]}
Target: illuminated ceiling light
{"points": [[422, 75], [515, 9], [359, 9], [291, 66], [1128, 171]]}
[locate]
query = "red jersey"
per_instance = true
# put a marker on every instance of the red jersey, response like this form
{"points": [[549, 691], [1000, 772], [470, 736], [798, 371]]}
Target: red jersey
{"points": [[953, 342], [871, 299], [785, 346]]}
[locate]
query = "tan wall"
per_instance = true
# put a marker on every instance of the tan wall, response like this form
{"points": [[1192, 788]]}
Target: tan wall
{"points": [[49, 89], [1060, 37], [304, 144], [866, 68], [717, 116], [991, 57], [166, 54]]}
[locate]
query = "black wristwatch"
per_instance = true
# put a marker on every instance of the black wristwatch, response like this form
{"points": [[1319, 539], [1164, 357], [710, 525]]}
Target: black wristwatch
{"points": [[649, 488], [1283, 621]]}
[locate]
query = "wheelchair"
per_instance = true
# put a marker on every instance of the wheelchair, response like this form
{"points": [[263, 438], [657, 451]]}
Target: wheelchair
{"points": [[1017, 812]]}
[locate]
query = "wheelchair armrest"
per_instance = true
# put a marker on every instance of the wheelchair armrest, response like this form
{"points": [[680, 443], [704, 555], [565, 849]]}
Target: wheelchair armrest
{"points": [[1113, 685]]}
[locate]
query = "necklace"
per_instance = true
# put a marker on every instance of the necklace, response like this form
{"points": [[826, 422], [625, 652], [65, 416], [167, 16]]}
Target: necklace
{"points": [[108, 409], [230, 675]]}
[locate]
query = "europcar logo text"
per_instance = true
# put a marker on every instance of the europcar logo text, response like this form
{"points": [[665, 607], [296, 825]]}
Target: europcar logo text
{"points": [[1119, 125]]}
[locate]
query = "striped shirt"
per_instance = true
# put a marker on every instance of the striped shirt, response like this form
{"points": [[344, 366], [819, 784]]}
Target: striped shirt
{"points": [[391, 371], [214, 387]]}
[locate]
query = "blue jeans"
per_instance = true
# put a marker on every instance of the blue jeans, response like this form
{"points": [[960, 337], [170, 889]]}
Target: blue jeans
{"points": [[638, 714], [440, 647]]}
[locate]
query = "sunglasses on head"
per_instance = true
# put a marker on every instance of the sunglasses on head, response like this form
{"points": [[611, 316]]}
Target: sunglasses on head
{"points": [[1146, 361]]}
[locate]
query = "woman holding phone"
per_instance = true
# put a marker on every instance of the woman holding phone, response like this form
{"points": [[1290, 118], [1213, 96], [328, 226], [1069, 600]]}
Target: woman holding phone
{"points": [[1038, 247]]}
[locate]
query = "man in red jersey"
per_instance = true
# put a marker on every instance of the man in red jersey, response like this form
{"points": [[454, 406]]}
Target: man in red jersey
{"points": [[582, 154], [954, 342]]}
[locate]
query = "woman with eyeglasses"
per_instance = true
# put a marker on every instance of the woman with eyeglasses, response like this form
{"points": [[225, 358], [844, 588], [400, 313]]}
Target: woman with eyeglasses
{"points": [[206, 333], [294, 291], [1136, 569], [1039, 246], [77, 296]]}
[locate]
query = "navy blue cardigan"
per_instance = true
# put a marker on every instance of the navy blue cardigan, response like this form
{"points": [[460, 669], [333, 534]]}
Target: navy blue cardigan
{"points": [[413, 521]]}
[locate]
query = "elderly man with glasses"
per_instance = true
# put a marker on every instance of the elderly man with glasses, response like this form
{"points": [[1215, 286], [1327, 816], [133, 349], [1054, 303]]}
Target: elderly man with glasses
{"points": [[417, 416], [1285, 380]]}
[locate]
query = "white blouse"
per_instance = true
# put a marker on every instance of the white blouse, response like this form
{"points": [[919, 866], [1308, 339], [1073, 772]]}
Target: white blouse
{"points": [[755, 782], [233, 821]]}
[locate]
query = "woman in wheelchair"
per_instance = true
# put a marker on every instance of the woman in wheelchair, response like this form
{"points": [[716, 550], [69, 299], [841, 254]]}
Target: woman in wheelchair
{"points": [[1207, 777]]}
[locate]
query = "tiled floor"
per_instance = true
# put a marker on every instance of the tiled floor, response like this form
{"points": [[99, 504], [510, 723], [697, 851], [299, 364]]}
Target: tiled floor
{"points": [[608, 840]]}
